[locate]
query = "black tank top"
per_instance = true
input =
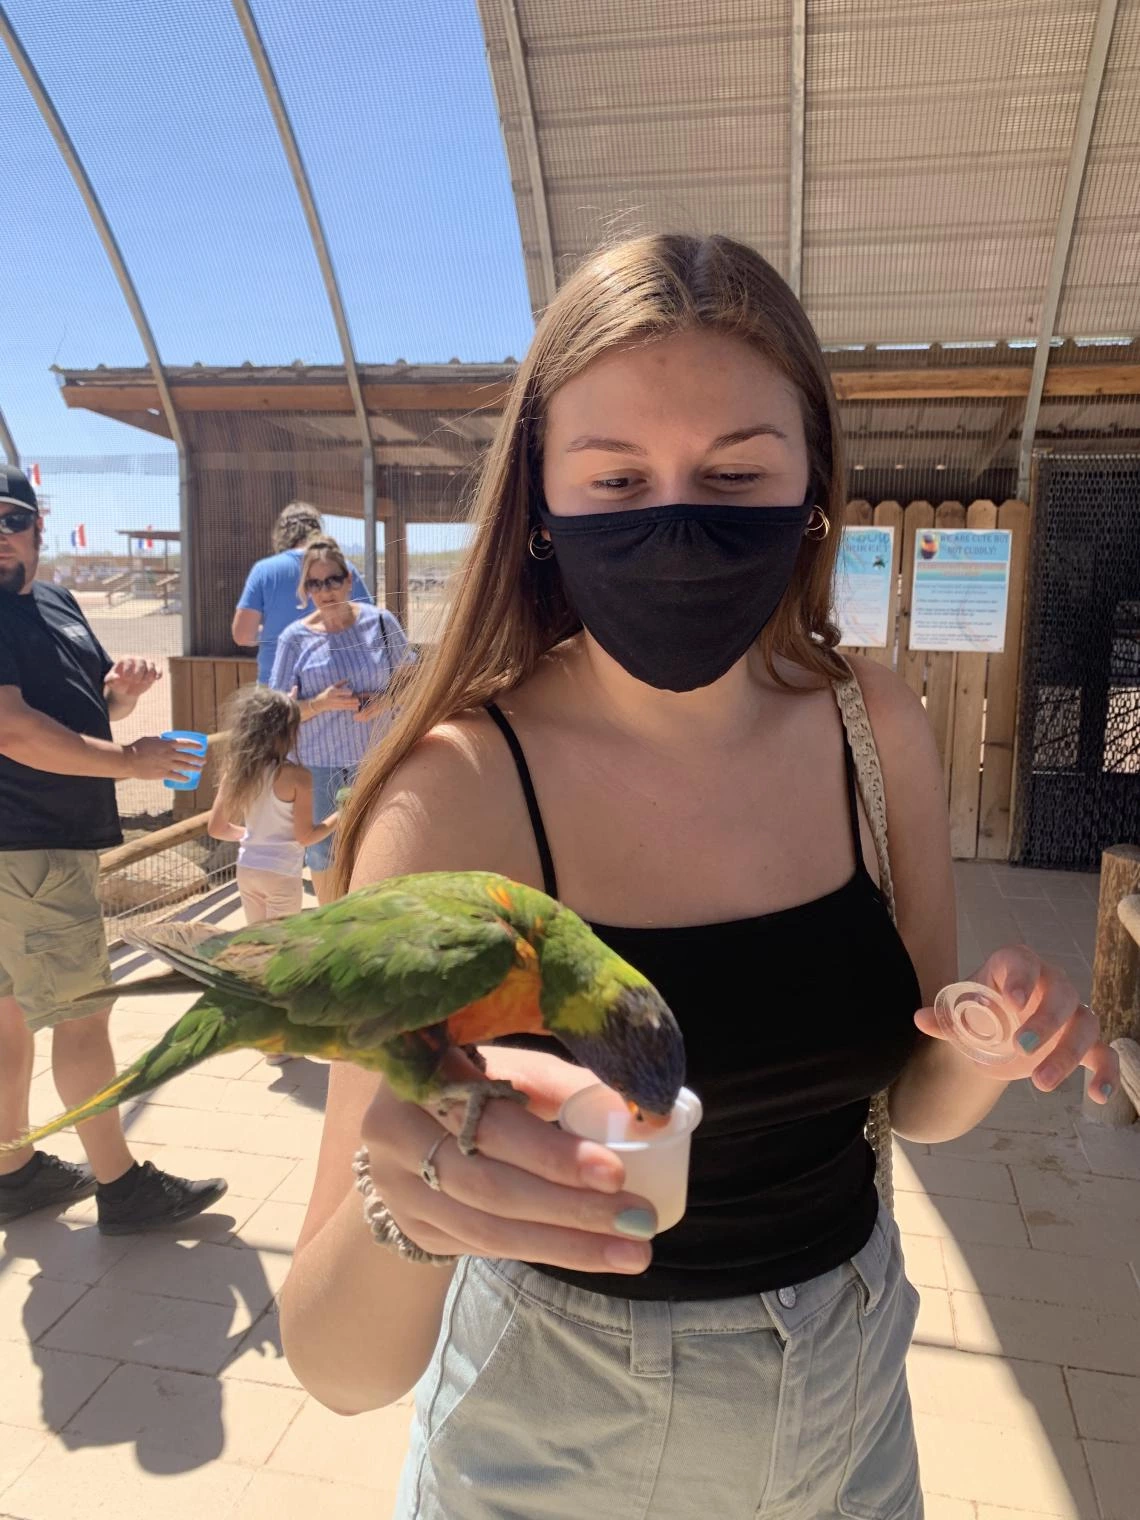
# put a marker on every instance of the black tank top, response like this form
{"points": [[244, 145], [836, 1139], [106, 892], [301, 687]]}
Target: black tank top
{"points": [[792, 1021]]}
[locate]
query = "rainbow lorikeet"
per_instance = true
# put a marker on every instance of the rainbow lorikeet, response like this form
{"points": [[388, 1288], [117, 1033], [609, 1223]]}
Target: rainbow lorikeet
{"points": [[391, 978]]}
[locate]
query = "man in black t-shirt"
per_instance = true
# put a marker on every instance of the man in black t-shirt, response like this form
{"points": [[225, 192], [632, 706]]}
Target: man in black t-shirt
{"points": [[59, 694]]}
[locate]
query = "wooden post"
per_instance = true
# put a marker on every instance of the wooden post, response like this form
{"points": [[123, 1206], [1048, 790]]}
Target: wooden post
{"points": [[396, 563], [912, 663], [1116, 971], [968, 707], [889, 514], [859, 514], [942, 665], [1001, 698]]}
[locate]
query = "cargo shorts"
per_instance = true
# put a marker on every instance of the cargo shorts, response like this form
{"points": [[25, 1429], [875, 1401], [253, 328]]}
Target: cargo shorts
{"points": [[52, 945]]}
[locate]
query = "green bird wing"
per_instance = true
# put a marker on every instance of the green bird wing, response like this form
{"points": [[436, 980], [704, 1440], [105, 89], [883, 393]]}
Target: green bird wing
{"points": [[395, 958]]}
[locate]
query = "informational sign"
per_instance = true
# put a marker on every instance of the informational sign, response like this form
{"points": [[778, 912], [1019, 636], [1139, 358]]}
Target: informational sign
{"points": [[961, 589], [863, 575]]}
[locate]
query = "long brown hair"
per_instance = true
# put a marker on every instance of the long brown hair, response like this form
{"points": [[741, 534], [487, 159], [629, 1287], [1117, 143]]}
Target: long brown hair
{"points": [[262, 728], [510, 609], [320, 548]]}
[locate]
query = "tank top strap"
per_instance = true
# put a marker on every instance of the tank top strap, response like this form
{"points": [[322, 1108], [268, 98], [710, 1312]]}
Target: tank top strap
{"points": [[542, 844]]}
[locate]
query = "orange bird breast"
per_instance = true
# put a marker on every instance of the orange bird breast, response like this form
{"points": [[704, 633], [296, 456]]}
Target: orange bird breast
{"points": [[512, 1008]]}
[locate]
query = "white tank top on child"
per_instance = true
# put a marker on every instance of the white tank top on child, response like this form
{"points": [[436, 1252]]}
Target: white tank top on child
{"points": [[269, 843]]}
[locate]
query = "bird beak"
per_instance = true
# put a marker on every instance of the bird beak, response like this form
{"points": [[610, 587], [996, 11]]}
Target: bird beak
{"points": [[651, 1121]]}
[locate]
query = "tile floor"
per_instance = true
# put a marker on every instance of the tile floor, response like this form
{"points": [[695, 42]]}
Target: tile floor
{"points": [[144, 1377]]}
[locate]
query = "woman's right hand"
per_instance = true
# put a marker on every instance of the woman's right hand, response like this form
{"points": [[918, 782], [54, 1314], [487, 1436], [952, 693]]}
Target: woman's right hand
{"points": [[339, 697], [533, 1193]]}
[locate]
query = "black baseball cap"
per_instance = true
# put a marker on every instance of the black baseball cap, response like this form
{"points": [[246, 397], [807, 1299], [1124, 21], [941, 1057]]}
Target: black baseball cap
{"points": [[15, 487]]}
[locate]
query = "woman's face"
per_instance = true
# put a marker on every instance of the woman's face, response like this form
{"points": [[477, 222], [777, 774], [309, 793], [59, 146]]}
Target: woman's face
{"points": [[698, 418], [326, 583]]}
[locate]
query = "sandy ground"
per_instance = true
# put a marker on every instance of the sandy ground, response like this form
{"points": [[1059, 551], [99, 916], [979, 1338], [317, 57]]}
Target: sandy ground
{"points": [[139, 628]]}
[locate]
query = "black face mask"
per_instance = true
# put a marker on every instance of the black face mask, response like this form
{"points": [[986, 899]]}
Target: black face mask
{"points": [[676, 595]]}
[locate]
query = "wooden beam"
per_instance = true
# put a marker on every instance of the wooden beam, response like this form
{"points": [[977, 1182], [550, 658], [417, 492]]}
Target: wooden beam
{"points": [[984, 383], [152, 844], [285, 396], [967, 382], [997, 437], [150, 422], [396, 565]]}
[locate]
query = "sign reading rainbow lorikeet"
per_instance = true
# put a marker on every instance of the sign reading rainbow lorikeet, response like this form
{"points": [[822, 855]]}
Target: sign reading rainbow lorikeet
{"points": [[961, 589], [864, 573]]}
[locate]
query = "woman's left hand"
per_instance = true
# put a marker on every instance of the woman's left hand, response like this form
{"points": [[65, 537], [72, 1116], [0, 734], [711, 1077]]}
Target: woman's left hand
{"points": [[1057, 1032], [370, 707]]}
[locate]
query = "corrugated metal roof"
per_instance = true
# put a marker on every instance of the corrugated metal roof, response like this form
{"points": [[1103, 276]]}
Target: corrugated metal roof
{"points": [[937, 139]]}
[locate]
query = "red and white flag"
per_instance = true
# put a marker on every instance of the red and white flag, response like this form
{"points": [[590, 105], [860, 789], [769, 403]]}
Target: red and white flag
{"points": [[35, 478]]}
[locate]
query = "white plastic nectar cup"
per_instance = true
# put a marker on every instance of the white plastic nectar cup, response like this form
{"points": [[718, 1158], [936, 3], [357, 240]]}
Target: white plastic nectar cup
{"points": [[979, 1022], [656, 1160]]}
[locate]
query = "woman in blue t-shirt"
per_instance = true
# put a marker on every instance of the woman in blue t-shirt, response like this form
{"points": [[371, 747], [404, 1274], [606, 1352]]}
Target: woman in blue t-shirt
{"points": [[338, 662]]}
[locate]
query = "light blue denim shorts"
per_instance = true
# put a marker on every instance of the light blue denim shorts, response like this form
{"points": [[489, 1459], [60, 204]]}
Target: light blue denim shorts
{"points": [[547, 1402]]}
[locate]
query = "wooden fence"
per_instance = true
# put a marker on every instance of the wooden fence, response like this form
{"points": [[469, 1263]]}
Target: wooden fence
{"points": [[200, 687], [971, 699]]}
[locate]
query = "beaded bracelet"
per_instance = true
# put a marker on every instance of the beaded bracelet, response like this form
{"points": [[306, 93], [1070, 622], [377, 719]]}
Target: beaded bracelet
{"points": [[385, 1230]]}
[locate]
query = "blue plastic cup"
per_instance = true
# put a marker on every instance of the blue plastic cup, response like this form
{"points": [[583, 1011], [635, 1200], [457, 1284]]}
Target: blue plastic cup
{"points": [[200, 743]]}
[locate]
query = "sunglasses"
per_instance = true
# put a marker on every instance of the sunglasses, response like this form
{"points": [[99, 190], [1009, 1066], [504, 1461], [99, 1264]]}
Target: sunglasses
{"points": [[327, 584], [18, 521]]}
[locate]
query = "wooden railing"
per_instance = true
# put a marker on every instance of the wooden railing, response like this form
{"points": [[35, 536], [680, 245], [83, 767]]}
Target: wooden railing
{"points": [[200, 690], [154, 843]]}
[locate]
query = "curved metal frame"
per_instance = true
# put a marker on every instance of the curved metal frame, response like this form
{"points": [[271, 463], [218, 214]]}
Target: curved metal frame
{"points": [[1063, 236], [130, 294], [8, 442], [304, 188], [517, 55], [797, 105]]}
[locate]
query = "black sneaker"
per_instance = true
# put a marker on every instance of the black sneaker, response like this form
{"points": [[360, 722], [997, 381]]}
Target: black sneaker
{"points": [[156, 1199], [53, 1185]]}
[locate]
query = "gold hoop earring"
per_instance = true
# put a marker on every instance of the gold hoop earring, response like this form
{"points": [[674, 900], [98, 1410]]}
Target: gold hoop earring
{"points": [[819, 525], [539, 548]]}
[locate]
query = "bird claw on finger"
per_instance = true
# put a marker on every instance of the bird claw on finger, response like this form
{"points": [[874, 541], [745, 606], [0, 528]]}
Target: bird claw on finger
{"points": [[476, 1057], [475, 1096]]}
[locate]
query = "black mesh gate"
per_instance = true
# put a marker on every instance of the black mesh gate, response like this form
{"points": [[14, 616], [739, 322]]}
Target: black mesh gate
{"points": [[1078, 768]]}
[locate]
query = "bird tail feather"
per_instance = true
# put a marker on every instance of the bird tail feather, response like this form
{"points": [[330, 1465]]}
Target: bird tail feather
{"points": [[204, 1031]]}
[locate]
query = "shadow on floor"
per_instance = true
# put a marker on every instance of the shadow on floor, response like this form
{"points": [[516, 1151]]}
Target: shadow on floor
{"points": [[307, 1082], [122, 1409]]}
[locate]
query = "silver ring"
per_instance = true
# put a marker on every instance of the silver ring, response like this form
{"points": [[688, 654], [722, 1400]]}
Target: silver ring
{"points": [[427, 1165]]}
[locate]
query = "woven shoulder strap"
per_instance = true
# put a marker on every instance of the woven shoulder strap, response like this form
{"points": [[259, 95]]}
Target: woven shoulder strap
{"points": [[869, 776]]}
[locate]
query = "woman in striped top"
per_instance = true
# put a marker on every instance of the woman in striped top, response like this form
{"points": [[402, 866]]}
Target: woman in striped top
{"points": [[338, 663]]}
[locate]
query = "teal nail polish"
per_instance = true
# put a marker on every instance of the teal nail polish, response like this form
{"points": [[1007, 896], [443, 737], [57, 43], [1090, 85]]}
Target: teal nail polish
{"points": [[1106, 1089], [641, 1224], [1029, 1040]]}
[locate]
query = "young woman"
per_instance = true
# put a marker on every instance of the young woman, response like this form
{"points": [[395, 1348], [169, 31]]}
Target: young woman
{"points": [[338, 661], [266, 803], [637, 704]]}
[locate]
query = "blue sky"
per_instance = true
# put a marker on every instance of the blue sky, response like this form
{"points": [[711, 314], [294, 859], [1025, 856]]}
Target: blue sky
{"points": [[394, 110]]}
